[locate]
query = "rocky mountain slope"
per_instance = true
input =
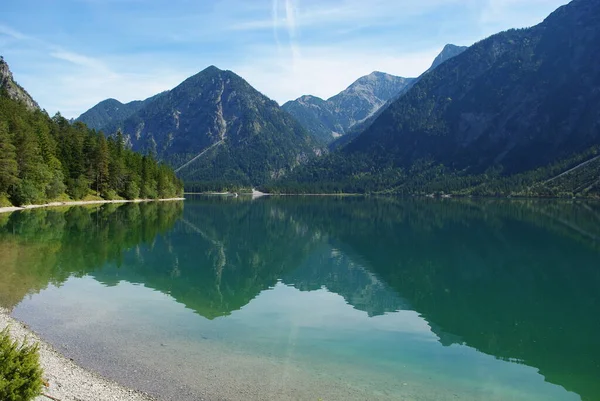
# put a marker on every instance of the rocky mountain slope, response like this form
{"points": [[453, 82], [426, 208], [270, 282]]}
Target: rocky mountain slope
{"points": [[215, 128], [332, 118], [13, 89]]}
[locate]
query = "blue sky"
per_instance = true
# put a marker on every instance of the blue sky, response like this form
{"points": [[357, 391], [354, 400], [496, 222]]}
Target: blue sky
{"points": [[71, 54]]}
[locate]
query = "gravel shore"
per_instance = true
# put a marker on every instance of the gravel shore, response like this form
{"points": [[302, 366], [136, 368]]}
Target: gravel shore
{"points": [[79, 203], [68, 382]]}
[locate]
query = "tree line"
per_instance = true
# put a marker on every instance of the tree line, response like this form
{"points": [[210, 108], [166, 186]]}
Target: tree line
{"points": [[46, 158], [356, 173]]}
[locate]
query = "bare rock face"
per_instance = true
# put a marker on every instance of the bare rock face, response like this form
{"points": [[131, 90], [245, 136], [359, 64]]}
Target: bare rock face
{"points": [[13, 89]]}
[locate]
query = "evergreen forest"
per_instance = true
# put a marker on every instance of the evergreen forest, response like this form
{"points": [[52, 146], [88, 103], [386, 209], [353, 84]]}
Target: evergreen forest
{"points": [[44, 159]]}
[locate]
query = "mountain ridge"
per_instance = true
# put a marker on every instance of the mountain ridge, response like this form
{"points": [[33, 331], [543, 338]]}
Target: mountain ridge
{"points": [[329, 119], [449, 51]]}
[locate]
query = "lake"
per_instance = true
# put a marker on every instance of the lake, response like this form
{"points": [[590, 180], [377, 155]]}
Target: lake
{"points": [[317, 298]]}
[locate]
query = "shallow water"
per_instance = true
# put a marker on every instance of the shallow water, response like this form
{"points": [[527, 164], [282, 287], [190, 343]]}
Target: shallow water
{"points": [[317, 298]]}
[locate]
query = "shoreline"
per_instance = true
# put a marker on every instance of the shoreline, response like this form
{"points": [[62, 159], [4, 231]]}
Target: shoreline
{"points": [[67, 380], [10, 209], [261, 194], [393, 195]]}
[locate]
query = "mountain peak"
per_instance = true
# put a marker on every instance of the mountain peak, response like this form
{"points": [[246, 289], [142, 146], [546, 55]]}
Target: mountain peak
{"points": [[211, 68], [111, 101], [309, 99], [376, 78], [451, 47], [13, 89], [449, 51], [378, 87], [213, 72], [378, 74]]}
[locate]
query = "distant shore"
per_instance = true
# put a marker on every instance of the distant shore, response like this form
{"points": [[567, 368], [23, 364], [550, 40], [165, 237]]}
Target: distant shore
{"points": [[67, 381], [259, 194], [79, 203]]}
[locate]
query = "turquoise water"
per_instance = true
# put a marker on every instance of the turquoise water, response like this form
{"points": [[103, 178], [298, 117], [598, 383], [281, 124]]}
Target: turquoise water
{"points": [[317, 298]]}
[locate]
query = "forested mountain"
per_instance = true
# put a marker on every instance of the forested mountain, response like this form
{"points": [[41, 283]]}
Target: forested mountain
{"points": [[331, 118], [43, 158], [216, 129], [507, 116]]}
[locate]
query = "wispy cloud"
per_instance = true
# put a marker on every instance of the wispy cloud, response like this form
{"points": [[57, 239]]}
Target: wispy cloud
{"points": [[274, 21], [290, 18], [14, 34], [74, 82], [79, 60], [344, 12]]}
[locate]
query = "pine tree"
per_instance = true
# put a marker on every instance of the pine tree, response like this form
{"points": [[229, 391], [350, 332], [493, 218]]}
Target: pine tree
{"points": [[102, 166], [148, 189], [33, 172], [8, 160], [117, 165]]}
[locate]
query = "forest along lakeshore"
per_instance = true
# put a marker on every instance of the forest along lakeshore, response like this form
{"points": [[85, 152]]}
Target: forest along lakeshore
{"points": [[291, 298], [45, 159], [455, 257]]}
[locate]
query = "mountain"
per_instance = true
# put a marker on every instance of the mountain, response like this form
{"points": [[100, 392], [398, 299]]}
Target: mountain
{"points": [[13, 89], [519, 101], [366, 96], [216, 128], [332, 118]]}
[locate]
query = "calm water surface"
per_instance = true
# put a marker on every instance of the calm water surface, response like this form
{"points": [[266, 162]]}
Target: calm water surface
{"points": [[317, 298]]}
